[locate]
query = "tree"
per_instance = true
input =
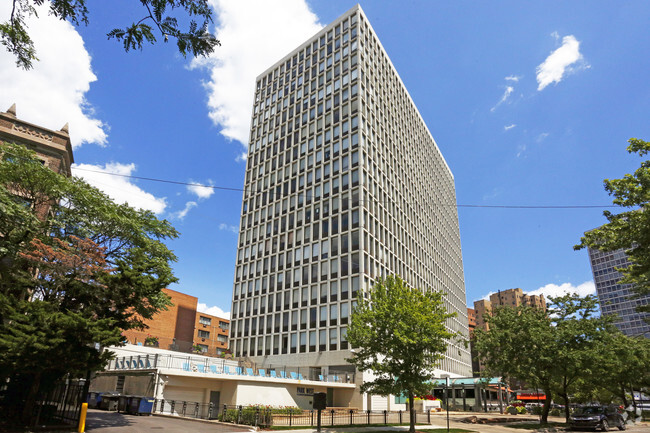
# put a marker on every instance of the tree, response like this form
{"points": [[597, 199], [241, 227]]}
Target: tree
{"points": [[399, 334], [518, 346], [75, 270], [554, 350], [630, 229], [195, 40], [579, 334]]}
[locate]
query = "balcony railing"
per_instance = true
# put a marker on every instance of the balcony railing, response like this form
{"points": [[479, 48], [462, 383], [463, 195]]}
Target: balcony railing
{"points": [[225, 368]]}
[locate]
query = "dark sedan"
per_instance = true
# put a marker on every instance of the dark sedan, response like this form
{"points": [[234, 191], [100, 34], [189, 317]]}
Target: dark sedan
{"points": [[597, 417]]}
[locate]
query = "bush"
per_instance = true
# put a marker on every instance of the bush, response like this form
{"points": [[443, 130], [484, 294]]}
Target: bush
{"points": [[536, 410], [522, 410], [555, 412]]}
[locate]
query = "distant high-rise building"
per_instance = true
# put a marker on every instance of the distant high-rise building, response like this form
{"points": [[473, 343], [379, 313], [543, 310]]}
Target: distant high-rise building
{"points": [[511, 298], [344, 185], [616, 298]]}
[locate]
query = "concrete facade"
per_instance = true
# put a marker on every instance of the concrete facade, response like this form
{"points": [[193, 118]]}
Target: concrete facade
{"points": [[328, 209]]}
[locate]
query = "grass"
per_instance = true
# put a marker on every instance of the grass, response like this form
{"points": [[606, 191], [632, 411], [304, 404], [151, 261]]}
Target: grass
{"points": [[533, 425]]}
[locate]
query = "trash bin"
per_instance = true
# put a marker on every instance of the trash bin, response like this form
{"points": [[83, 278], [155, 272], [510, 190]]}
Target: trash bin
{"points": [[123, 403], [110, 401], [92, 400], [139, 405]]}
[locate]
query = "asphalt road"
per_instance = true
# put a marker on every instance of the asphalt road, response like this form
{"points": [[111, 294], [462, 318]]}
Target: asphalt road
{"points": [[99, 421]]}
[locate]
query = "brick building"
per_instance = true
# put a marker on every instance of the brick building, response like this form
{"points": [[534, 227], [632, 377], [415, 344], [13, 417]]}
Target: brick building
{"points": [[181, 327], [52, 147], [510, 297]]}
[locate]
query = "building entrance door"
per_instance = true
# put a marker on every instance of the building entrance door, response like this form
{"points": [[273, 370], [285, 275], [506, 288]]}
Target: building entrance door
{"points": [[214, 399]]}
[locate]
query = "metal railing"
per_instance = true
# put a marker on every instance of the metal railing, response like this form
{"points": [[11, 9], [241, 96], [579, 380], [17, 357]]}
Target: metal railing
{"points": [[264, 416], [226, 367]]}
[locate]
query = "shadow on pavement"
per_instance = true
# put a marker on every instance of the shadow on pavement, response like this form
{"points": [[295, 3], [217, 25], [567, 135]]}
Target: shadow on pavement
{"points": [[97, 419]]}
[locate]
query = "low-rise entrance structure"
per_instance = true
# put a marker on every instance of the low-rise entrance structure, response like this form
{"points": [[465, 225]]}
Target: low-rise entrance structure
{"points": [[174, 376]]}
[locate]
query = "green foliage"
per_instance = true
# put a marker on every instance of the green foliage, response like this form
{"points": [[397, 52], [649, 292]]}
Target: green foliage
{"points": [[630, 229], [399, 334], [555, 352], [195, 40], [75, 270]]}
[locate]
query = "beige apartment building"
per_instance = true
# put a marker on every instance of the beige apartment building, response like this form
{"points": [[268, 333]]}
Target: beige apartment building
{"points": [[510, 297]]}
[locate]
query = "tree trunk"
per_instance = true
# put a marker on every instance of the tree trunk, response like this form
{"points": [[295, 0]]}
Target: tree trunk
{"points": [[567, 411], [547, 406], [411, 413], [30, 400], [623, 396]]}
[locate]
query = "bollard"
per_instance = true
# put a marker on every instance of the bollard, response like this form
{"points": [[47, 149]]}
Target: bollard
{"points": [[332, 416], [351, 412], [82, 418], [385, 417], [368, 417], [210, 409]]}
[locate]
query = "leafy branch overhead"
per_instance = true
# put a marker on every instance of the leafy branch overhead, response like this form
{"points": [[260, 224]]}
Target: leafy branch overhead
{"points": [[630, 229], [157, 22]]}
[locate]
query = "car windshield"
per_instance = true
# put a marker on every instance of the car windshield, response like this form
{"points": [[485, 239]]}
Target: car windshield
{"points": [[590, 410]]}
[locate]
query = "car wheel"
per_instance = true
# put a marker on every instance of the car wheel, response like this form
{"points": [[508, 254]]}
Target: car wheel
{"points": [[622, 425], [604, 425]]}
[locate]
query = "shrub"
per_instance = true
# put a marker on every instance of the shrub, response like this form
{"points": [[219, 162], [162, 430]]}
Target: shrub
{"points": [[555, 412], [522, 410]]}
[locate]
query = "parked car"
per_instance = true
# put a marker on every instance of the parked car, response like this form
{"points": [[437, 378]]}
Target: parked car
{"points": [[597, 417]]}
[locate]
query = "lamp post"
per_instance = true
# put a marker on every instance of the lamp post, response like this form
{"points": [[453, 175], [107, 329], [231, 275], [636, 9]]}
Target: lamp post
{"points": [[446, 376]]}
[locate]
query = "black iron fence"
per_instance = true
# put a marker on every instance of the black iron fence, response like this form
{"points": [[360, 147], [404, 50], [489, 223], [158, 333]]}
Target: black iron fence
{"points": [[61, 404], [263, 416]]}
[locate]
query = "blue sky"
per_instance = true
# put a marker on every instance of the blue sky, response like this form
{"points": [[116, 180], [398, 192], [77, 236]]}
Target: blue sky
{"points": [[531, 103]]}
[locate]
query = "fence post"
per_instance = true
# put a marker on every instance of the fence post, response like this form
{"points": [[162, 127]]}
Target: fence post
{"points": [[332, 416], [184, 407], [400, 416], [196, 409], [290, 418], [351, 416], [312, 417], [173, 406], [385, 416], [429, 416], [210, 408], [257, 415], [368, 413], [239, 413]]}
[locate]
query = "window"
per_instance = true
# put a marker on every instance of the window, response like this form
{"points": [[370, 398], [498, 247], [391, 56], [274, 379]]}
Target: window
{"points": [[203, 334], [205, 320], [203, 347]]}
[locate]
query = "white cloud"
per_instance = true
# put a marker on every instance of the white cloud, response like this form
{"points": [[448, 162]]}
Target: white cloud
{"points": [[119, 188], [53, 93], [213, 311], [514, 78], [224, 226], [254, 35], [555, 290], [564, 60], [541, 137], [504, 98], [183, 213], [521, 149], [201, 191], [509, 127]]}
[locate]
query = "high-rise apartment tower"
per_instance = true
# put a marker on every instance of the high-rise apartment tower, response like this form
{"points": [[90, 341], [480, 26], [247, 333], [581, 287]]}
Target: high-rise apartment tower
{"points": [[617, 298], [344, 185]]}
